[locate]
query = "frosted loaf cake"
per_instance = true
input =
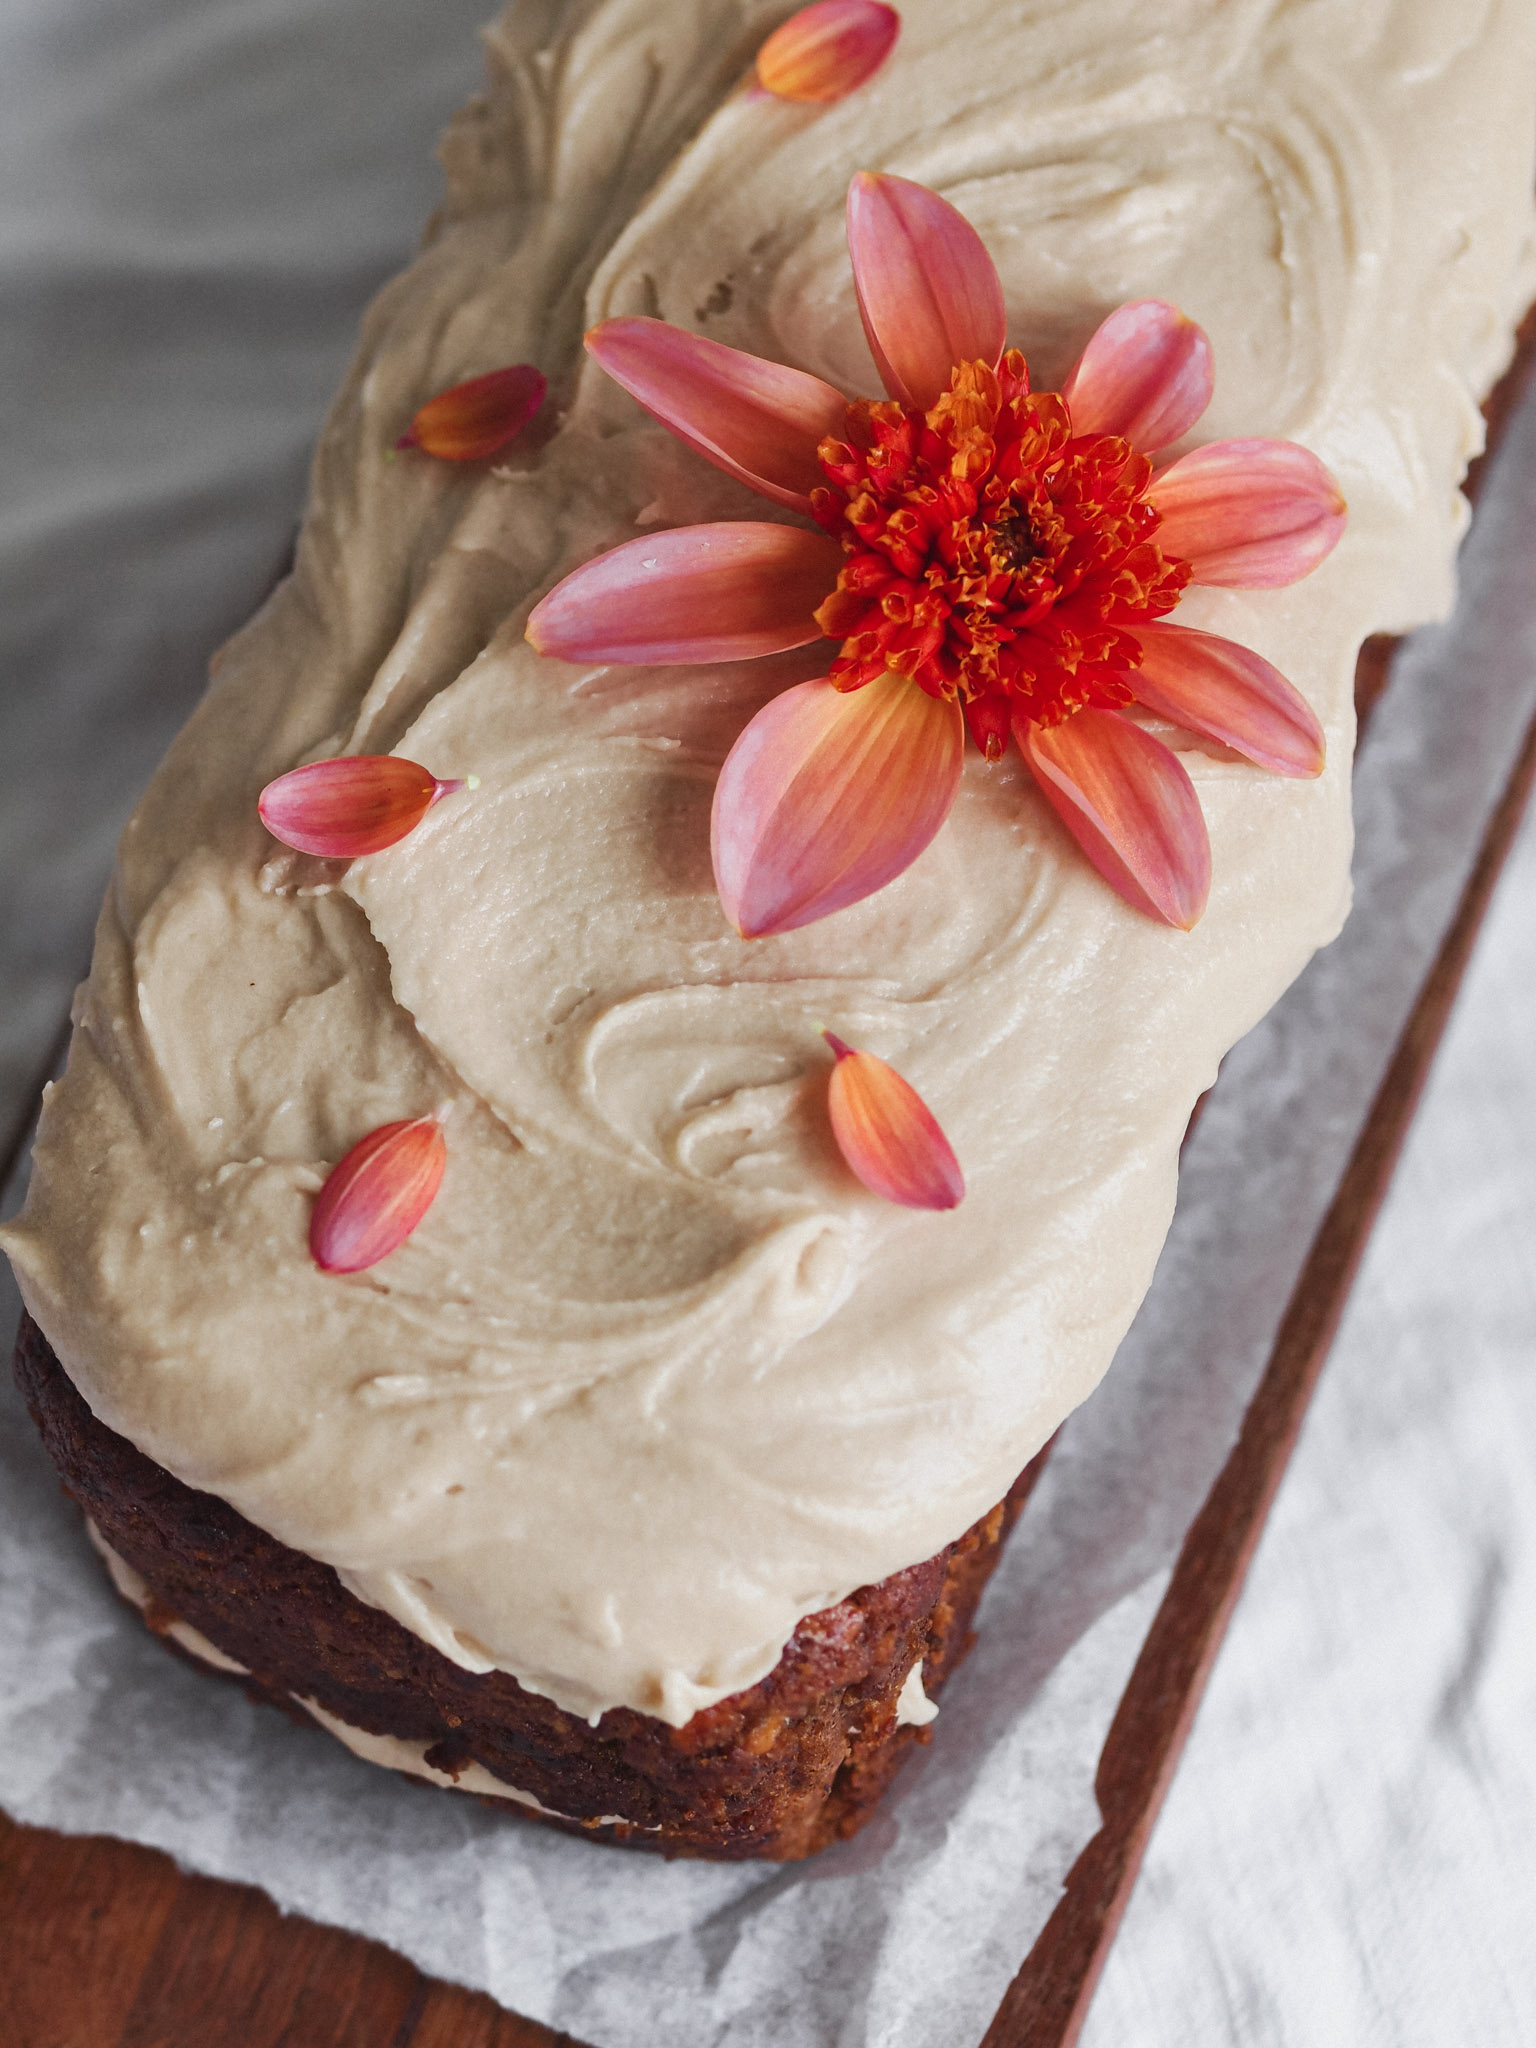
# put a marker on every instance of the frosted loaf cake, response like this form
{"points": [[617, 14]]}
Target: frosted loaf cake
{"points": [[656, 1381]]}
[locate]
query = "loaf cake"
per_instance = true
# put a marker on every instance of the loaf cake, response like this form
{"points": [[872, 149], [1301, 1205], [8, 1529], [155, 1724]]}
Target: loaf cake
{"points": [[648, 1484]]}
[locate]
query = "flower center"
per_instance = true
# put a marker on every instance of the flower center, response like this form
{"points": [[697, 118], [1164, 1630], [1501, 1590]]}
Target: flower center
{"points": [[1014, 545], [992, 554]]}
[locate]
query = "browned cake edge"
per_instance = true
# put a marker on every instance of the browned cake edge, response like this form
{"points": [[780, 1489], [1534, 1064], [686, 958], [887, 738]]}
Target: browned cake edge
{"points": [[777, 1771]]}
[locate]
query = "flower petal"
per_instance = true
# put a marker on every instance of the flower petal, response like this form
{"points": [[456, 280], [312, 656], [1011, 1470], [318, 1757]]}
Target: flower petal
{"points": [[1217, 687], [723, 592], [1146, 375], [1128, 803], [827, 50], [756, 420], [888, 1134], [929, 294], [352, 805], [1250, 515], [827, 796], [989, 721], [375, 1197], [474, 420]]}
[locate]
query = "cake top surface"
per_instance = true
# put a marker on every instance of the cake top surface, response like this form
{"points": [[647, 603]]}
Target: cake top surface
{"points": [[656, 1377]]}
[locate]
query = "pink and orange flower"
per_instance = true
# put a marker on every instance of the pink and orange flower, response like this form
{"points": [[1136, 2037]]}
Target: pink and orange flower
{"points": [[352, 804], [374, 1198], [887, 1134], [827, 50], [473, 421], [988, 558]]}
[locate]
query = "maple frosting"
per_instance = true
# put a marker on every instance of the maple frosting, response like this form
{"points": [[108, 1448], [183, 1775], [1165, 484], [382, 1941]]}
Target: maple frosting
{"points": [[655, 1377]]}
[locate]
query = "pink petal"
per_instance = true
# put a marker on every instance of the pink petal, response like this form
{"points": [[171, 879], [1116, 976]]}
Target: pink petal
{"points": [[827, 796], [375, 1197], [1128, 803], [888, 1134], [355, 804], [1146, 375], [1250, 515], [479, 418], [828, 50], [758, 421], [929, 293], [1226, 691], [724, 592]]}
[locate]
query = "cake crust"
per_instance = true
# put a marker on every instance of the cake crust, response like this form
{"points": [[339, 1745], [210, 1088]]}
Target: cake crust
{"points": [[777, 1771]]}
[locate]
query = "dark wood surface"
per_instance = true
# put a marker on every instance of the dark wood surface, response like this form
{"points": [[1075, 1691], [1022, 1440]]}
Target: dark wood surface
{"points": [[108, 1945], [104, 1944]]}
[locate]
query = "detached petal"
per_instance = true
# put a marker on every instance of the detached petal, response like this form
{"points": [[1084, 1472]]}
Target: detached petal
{"points": [[1128, 803], [827, 796], [375, 1197], [828, 50], [1214, 686], [888, 1134], [1251, 515], [472, 421], [1147, 375], [758, 421], [929, 294], [723, 592], [355, 804]]}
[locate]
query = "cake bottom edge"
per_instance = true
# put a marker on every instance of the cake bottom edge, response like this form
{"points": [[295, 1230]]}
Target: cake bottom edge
{"points": [[776, 1772]]}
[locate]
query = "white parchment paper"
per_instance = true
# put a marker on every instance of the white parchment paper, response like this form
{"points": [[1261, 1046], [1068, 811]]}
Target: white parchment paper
{"points": [[909, 1935]]}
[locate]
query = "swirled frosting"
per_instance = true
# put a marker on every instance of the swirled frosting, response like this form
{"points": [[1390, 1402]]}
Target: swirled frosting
{"points": [[655, 1378]]}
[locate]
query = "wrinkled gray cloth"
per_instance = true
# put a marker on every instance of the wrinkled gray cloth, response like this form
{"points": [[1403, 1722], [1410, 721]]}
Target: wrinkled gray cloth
{"points": [[196, 197]]}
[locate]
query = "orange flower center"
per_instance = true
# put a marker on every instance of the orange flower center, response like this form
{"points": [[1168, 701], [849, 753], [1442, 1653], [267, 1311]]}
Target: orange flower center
{"points": [[992, 554]]}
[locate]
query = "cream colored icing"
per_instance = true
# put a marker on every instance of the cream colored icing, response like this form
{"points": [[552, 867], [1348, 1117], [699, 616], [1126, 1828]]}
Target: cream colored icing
{"points": [[655, 1378], [914, 1709]]}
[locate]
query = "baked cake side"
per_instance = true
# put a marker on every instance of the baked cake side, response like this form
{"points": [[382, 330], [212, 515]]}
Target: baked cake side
{"points": [[778, 1771]]}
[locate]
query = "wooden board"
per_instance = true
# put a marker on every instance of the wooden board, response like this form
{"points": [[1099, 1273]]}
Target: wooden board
{"points": [[104, 1944]]}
